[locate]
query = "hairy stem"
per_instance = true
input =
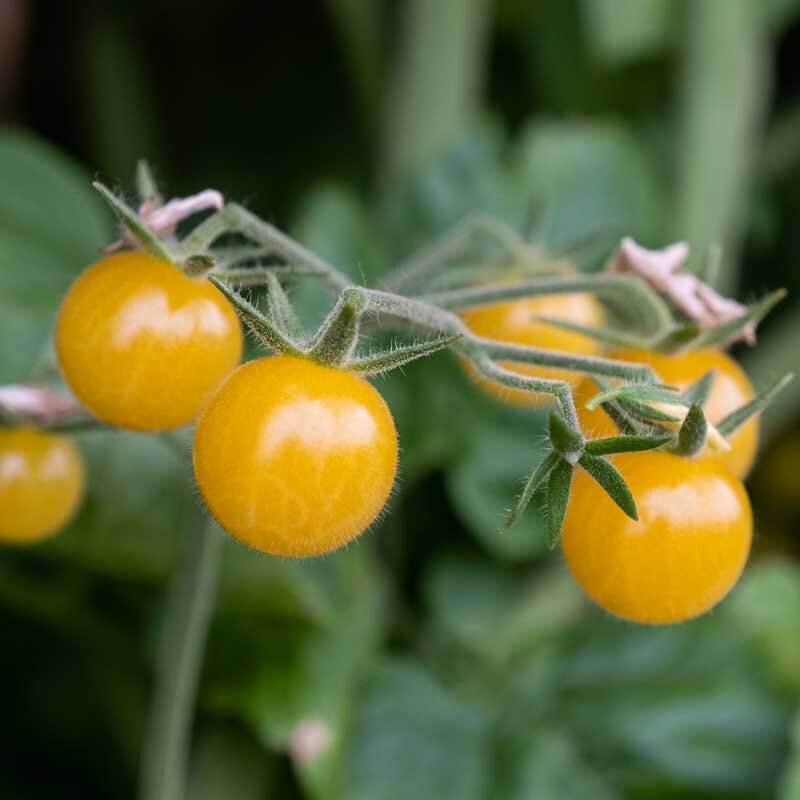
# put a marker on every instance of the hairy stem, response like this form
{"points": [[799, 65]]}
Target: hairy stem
{"points": [[277, 243], [186, 619]]}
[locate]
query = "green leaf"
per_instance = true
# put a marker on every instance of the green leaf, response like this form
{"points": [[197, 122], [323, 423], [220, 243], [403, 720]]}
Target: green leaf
{"points": [[621, 31], [146, 185], [726, 331], [558, 486], [486, 477], [761, 401], [269, 335], [383, 361], [533, 483], [546, 763], [51, 224], [225, 762], [591, 179], [693, 432], [766, 608], [281, 311], [129, 220], [609, 477], [414, 739], [624, 444], [698, 392], [638, 392]]}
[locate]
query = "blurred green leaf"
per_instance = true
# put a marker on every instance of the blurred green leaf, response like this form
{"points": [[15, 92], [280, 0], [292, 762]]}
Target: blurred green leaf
{"points": [[486, 480], [414, 739], [790, 780], [624, 30], [51, 224], [228, 764], [546, 764], [294, 683], [766, 607], [589, 179]]}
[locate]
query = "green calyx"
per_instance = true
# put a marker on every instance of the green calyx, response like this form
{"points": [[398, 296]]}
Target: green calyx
{"points": [[569, 450], [335, 341]]}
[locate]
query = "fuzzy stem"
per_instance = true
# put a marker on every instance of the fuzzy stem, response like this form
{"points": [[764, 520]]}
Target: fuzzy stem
{"points": [[439, 320], [187, 616], [456, 242], [657, 310], [279, 244]]}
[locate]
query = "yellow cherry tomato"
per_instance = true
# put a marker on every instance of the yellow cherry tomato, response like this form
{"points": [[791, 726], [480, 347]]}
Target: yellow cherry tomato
{"points": [[142, 345], [730, 390], [294, 458], [684, 554], [41, 484], [514, 322]]}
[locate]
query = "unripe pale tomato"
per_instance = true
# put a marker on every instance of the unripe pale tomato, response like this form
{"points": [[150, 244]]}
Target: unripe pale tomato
{"points": [[41, 484], [730, 389], [142, 345], [294, 458], [514, 322], [683, 555]]}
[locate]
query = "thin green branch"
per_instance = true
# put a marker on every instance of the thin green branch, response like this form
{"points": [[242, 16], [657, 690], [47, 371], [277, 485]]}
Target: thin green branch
{"points": [[736, 419], [455, 243], [279, 244], [604, 283], [186, 619]]}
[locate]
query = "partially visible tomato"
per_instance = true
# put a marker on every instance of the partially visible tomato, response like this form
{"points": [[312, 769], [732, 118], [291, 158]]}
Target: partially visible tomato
{"points": [[294, 458], [730, 390], [142, 345], [514, 322], [41, 484], [683, 555]]}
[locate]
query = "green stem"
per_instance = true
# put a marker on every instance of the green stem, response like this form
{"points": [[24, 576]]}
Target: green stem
{"points": [[277, 243], [657, 310], [187, 616], [454, 243], [440, 320]]}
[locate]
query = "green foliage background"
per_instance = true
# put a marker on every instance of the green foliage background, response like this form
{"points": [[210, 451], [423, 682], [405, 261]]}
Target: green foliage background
{"points": [[446, 662]]}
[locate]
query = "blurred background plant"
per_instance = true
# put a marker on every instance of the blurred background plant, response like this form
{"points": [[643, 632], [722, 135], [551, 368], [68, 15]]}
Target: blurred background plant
{"points": [[434, 659]]}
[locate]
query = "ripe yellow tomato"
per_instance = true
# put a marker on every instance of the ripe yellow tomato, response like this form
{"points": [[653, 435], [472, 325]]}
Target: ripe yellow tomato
{"points": [[142, 345], [683, 555], [730, 389], [294, 458], [514, 322], [41, 484]]}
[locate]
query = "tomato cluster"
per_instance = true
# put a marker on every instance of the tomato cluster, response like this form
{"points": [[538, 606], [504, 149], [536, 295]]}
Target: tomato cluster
{"points": [[692, 538], [296, 458]]}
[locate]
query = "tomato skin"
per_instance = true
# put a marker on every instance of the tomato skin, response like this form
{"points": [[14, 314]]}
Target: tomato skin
{"points": [[730, 390], [513, 322], [41, 484], [684, 554], [294, 458], [142, 345]]}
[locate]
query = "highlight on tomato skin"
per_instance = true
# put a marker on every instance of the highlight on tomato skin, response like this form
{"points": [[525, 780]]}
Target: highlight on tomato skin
{"points": [[41, 484], [682, 556], [294, 458], [142, 345], [515, 322], [730, 389]]}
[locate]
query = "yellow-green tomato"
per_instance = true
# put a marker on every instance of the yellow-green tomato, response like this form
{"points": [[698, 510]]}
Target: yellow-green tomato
{"points": [[41, 484], [142, 345], [680, 558], [515, 322], [294, 458]]}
